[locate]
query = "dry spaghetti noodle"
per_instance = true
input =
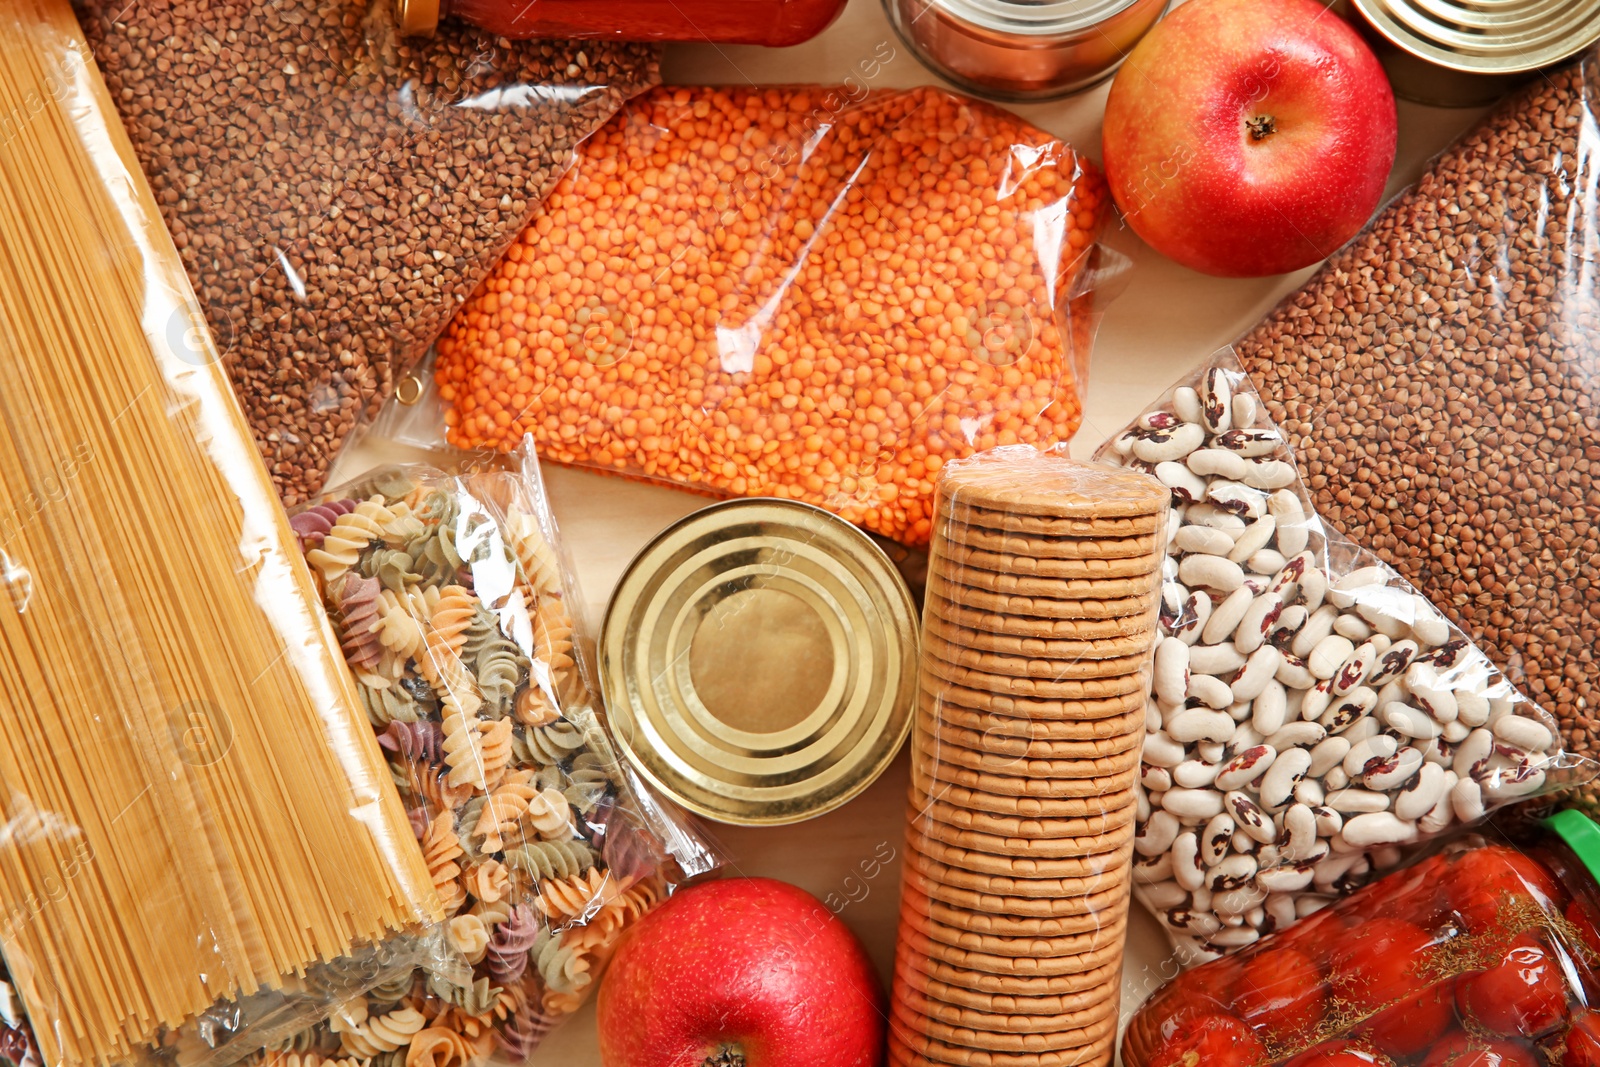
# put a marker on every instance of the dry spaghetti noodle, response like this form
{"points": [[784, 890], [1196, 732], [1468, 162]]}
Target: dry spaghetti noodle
{"points": [[192, 804]]}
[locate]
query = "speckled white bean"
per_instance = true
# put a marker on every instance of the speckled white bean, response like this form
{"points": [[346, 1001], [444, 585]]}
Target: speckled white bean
{"points": [[1255, 537], [1290, 878], [1186, 403], [1328, 754], [1455, 732], [1157, 833], [1519, 731], [1211, 691], [1354, 801], [1233, 872], [1250, 818], [1211, 572], [1250, 443], [1195, 774], [1319, 624], [1313, 588], [1269, 710], [1269, 474], [1217, 838], [1258, 672], [1368, 754], [1284, 506], [1198, 724], [1297, 735], [1277, 784], [1428, 625], [1422, 794], [1245, 501], [1187, 868], [1159, 446], [1170, 675], [1328, 654], [1354, 670], [1164, 895], [1294, 674], [1410, 721], [1394, 772], [1378, 828], [1186, 485], [1257, 621], [1216, 518], [1218, 463], [1204, 540], [1245, 767], [1236, 937], [1216, 660], [1156, 779], [1225, 618], [1162, 751]]}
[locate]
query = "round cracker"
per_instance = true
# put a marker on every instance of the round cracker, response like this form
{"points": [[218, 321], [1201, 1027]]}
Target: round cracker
{"points": [[995, 725], [1028, 777], [958, 514], [1042, 709], [1033, 667], [1014, 885], [1034, 848], [1066, 906], [1029, 806], [1114, 861], [908, 977], [918, 944], [1001, 744], [1025, 482], [915, 1027], [939, 1054], [1090, 1009], [1045, 547], [1043, 607], [1089, 565], [999, 925], [1132, 644], [1100, 587], [1113, 932], [1013, 826], [1016, 625], [1098, 688]]}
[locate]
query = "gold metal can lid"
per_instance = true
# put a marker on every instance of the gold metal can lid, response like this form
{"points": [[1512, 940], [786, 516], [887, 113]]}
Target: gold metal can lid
{"points": [[1498, 37], [759, 662]]}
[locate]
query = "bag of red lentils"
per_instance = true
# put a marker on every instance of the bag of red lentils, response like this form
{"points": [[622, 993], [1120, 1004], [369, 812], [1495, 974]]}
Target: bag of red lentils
{"points": [[791, 292]]}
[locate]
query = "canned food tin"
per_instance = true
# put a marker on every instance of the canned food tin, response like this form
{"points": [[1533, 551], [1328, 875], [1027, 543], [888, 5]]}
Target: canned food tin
{"points": [[1486, 36], [1023, 49], [759, 662]]}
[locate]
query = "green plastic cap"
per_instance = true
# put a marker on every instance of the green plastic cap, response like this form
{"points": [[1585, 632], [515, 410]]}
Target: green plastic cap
{"points": [[1581, 835]]}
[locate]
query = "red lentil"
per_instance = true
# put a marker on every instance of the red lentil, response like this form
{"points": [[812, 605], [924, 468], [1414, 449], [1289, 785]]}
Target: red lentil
{"points": [[755, 292]]}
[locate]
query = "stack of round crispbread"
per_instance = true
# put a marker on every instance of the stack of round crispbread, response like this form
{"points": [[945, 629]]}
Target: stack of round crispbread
{"points": [[1043, 588]]}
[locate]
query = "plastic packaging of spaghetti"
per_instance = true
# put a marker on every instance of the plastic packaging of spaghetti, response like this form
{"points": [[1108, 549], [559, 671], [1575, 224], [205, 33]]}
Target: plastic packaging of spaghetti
{"points": [[455, 608], [336, 191], [201, 841], [791, 292], [1311, 714]]}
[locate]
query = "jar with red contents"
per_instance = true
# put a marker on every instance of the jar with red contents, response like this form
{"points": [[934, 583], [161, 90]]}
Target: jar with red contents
{"points": [[768, 22], [1481, 956]]}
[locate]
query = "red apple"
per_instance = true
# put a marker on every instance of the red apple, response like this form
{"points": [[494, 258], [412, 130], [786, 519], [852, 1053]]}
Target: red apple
{"points": [[746, 972], [1249, 137]]}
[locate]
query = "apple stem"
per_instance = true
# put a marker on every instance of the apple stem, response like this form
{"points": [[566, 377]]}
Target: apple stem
{"points": [[1261, 127], [727, 1056]]}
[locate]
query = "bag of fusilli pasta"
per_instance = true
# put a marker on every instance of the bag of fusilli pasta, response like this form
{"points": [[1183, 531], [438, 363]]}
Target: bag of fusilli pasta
{"points": [[454, 605]]}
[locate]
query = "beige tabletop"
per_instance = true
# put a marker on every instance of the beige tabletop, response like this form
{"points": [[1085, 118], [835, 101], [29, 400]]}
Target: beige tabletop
{"points": [[1163, 322]]}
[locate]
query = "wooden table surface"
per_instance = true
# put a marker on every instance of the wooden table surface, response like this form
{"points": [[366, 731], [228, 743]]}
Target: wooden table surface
{"points": [[1161, 324]]}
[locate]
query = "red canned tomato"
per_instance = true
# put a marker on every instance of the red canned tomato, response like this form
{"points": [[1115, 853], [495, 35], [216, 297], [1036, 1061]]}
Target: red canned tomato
{"points": [[1480, 956]]}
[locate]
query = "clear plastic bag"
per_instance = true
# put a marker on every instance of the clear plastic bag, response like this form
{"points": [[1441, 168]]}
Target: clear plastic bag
{"points": [[1311, 714], [199, 841], [1044, 582], [1438, 379], [810, 293], [454, 604], [337, 191]]}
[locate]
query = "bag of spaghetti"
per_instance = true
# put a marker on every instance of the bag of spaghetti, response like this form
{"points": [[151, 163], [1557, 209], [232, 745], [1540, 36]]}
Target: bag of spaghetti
{"points": [[457, 613]]}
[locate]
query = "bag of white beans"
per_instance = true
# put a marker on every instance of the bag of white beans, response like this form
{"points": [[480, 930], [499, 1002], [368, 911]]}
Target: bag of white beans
{"points": [[1310, 715]]}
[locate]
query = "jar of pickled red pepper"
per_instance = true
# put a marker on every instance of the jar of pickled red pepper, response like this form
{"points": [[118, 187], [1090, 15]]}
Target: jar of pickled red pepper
{"points": [[769, 22], [1479, 956]]}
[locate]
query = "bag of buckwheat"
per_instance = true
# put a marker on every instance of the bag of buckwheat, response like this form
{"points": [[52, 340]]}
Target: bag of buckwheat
{"points": [[336, 191], [1311, 714], [1438, 380]]}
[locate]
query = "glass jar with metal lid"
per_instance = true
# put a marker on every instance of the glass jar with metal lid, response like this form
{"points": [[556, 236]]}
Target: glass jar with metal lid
{"points": [[1024, 49]]}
